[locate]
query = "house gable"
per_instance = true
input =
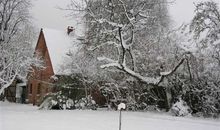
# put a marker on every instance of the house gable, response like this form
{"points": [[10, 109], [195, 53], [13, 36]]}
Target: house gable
{"points": [[42, 51], [39, 81], [52, 46]]}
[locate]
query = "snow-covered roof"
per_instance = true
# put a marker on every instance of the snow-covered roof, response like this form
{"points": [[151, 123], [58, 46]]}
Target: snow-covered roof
{"points": [[20, 84], [59, 43]]}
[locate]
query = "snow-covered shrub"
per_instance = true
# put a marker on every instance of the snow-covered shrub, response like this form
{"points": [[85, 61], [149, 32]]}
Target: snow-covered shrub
{"points": [[203, 97], [47, 104], [61, 102], [56, 101], [113, 93], [70, 91], [64, 102], [86, 103], [136, 95], [154, 98], [180, 108]]}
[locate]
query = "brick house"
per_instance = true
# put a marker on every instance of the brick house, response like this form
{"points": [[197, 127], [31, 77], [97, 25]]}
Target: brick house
{"points": [[52, 46]]}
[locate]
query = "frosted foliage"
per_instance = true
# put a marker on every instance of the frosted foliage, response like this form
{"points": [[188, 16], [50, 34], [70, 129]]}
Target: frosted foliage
{"points": [[59, 102], [180, 108], [16, 37], [69, 103]]}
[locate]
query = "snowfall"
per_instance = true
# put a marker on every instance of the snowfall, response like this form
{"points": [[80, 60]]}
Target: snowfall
{"points": [[27, 117]]}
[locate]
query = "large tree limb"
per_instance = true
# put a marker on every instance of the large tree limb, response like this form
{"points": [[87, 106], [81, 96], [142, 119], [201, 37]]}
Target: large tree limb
{"points": [[146, 80], [164, 74]]}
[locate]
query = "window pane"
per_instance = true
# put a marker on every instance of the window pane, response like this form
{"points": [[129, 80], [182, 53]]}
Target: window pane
{"points": [[39, 89], [30, 89]]}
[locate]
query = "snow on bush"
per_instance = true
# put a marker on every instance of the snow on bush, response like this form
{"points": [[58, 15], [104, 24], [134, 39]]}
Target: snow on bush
{"points": [[86, 103], [47, 104], [121, 106], [61, 102], [69, 103], [56, 101], [180, 108]]}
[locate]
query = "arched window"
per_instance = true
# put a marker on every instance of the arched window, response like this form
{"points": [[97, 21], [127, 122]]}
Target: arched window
{"points": [[39, 88], [30, 88]]}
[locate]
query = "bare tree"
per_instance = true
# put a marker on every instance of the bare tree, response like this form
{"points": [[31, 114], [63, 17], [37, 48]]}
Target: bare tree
{"points": [[206, 27], [201, 38], [122, 25], [15, 41], [130, 40]]}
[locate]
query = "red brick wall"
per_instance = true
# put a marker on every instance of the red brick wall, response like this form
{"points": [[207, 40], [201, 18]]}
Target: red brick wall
{"points": [[40, 77]]}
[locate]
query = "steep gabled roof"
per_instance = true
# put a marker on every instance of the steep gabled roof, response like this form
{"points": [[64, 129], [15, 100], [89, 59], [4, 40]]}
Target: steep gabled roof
{"points": [[59, 43]]}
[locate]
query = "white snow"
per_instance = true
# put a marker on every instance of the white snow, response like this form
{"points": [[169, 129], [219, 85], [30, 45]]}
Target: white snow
{"points": [[27, 117], [110, 65], [59, 44], [20, 84], [188, 47], [103, 58], [121, 106], [165, 73], [101, 21], [216, 42]]}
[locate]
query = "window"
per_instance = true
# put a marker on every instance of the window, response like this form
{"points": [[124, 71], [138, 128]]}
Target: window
{"points": [[30, 89], [39, 88], [47, 90]]}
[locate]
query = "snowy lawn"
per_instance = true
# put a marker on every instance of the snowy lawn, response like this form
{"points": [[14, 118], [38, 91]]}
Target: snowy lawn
{"points": [[27, 117]]}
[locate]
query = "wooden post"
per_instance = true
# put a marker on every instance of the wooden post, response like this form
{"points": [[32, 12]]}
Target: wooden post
{"points": [[120, 120], [121, 106]]}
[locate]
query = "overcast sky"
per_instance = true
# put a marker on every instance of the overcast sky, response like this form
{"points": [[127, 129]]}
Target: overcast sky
{"points": [[46, 13]]}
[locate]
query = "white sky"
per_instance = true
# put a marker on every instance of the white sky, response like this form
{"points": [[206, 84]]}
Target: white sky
{"points": [[182, 11], [46, 14]]}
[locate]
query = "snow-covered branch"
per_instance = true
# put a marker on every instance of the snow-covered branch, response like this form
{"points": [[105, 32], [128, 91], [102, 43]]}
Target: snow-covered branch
{"points": [[147, 80], [103, 44]]}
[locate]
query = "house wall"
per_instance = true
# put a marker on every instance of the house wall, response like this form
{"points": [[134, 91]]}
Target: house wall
{"points": [[39, 81]]}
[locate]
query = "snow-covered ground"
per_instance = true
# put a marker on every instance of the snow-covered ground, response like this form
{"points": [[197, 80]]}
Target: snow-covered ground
{"points": [[27, 117]]}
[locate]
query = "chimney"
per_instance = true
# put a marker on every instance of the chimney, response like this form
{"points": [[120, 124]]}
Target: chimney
{"points": [[69, 29]]}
